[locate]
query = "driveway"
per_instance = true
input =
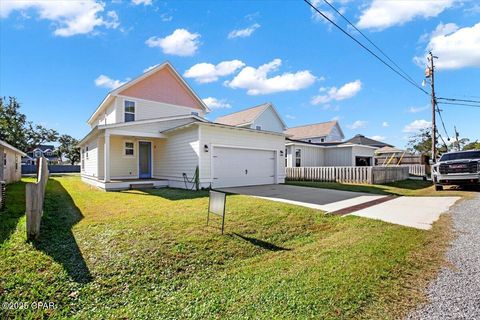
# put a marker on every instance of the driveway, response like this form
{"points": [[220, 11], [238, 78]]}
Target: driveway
{"points": [[322, 199]]}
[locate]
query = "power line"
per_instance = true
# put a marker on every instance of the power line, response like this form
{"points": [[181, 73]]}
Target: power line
{"points": [[462, 100], [441, 119], [368, 39], [460, 104], [365, 47]]}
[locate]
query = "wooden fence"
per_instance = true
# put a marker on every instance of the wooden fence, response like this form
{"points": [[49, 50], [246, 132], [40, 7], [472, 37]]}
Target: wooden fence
{"points": [[367, 175], [331, 174], [35, 195]]}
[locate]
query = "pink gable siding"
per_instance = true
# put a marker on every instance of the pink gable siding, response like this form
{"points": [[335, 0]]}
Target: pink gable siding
{"points": [[162, 86]]}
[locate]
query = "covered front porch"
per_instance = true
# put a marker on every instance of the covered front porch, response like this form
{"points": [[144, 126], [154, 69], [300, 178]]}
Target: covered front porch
{"points": [[124, 160]]}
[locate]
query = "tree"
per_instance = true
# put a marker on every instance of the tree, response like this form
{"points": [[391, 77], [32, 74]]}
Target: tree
{"points": [[17, 131], [475, 145], [422, 143], [68, 148]]}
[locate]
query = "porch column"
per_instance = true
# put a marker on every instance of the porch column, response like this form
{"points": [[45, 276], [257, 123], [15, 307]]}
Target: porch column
{"points": [[106, 153], [1, 163]]}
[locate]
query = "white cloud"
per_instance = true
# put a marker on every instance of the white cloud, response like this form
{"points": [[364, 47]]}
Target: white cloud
{"points": [[417, 125], [207, 72], [144, 2], [214, 103], [149, 68], [69, 17], [417, 109], [256, 81], [289, 116], [317, 17], [378, 138], [243, 33], [383, 14], [357, 125], [180, 43], [385, 124], [106, 82], [346, 91], [336, 118], [455, 47]]}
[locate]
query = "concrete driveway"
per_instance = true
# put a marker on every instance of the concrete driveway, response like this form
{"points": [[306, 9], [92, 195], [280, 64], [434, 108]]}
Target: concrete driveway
{"points": [[322, 199]]}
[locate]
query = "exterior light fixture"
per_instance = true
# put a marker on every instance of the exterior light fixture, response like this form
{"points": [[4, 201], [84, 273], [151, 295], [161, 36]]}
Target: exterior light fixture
{"points": [[205, 148]]}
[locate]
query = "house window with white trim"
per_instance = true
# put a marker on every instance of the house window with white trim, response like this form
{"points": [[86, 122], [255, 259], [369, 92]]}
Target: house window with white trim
{"points": [[86, 152], [4, 159], [129, 111], [298, 158], [129, 149]]}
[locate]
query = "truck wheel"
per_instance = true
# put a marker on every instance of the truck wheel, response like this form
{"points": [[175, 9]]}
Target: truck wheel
{"points": [[438, 187]]}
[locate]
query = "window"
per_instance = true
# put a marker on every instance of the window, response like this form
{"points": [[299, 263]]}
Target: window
{"points": [[86, 152], [16, 163], [258, 127], [129, 111], [194, 113], [129, 147], [37, 153], [298, 157], [322, 140], [5, 159]]}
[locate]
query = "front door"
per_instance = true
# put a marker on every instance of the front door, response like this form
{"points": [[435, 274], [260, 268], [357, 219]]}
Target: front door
{"points": [[145, 160]]}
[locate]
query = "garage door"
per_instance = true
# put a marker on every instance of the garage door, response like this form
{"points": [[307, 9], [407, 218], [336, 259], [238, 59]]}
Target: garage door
{"points": [[234, 167]]}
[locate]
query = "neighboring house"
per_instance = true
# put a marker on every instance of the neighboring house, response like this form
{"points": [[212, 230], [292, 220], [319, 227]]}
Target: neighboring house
{"points": [[317, 133], [152, 131], [10, 161], [47, 151], [263, 117], [307, 154], [364, 141]]}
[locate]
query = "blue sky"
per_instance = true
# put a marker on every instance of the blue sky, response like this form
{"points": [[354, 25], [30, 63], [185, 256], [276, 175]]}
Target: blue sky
{"points": [[61, 58]]}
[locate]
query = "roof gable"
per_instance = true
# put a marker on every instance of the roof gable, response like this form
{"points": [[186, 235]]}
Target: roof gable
{"points": [[247, 116], [161, 84], [312, 130]]}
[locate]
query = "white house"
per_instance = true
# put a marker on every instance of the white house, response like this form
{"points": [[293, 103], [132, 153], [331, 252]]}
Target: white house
{"points": [[10, 160], [329, 131], [152, 131]]}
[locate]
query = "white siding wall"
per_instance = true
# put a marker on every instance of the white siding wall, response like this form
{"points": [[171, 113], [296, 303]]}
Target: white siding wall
{"points": [[269, 121], [359, 151], [334, 135], [339, 156], [176, 155], [236, 138], [12, 172], [310, 156], [156, 127], [122, 166], [91, 164], [108, 116], [152, 110], [316, 139]]}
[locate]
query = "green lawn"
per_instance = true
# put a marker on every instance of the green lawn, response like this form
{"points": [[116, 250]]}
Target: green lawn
{"points": [[148, 254], [399, 188]]}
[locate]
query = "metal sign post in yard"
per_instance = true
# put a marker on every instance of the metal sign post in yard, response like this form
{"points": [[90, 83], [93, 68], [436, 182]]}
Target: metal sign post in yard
{"points": [[216, 205]]}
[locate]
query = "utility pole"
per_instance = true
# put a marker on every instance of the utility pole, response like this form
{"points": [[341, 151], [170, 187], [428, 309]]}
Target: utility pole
{"points": [[456, 137], [430, 73]]}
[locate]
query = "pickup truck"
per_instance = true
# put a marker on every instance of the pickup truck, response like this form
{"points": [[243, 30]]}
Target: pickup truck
{"points": [[457, 168]]}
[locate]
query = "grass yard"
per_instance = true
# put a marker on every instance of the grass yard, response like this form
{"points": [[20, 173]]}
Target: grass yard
{"points": [[148, 254], [399, 188]]}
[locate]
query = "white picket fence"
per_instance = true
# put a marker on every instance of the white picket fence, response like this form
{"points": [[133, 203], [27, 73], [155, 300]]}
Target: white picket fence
{"points": [[416, 169], [331, 174]]}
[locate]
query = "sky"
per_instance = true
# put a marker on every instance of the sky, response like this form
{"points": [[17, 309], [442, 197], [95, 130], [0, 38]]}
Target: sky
{"points": [[60, 59]]}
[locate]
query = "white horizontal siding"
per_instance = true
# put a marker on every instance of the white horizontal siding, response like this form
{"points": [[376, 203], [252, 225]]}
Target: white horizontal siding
{"points": [[176, 155], [310, 156], [155, 127], [337, 156], [91, 157], [145, 110]]}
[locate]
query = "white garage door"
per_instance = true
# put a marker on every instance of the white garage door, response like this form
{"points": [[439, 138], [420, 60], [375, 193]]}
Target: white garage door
{"points": [[234, 167]]}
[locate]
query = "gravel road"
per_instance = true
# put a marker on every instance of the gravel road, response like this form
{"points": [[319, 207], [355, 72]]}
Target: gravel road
{"points": [[455, 294]]}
